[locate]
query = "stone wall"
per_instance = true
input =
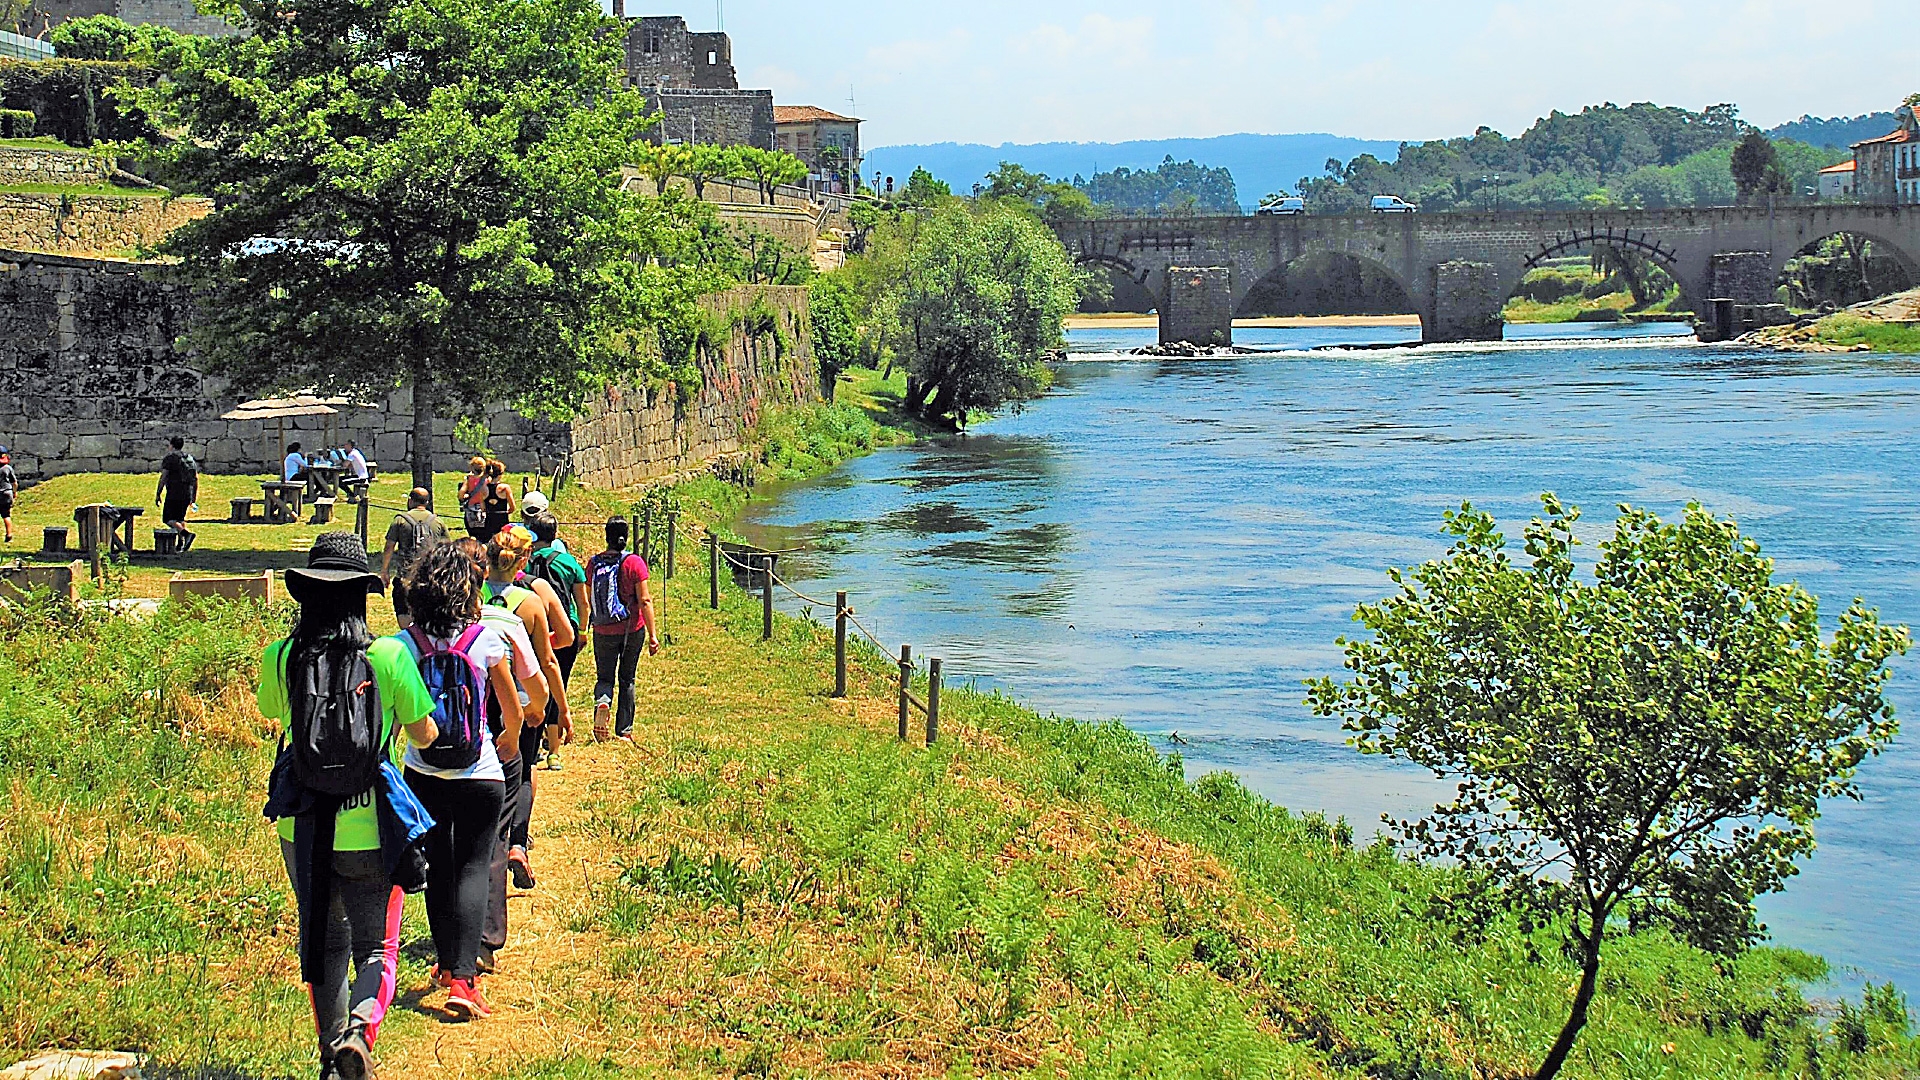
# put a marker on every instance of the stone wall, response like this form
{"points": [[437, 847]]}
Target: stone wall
{"points": [[1467, 302], [22, 166], [92, 380], [1745, 277], [718, 117], [1199, 307], [629, 436], [92, 224]]}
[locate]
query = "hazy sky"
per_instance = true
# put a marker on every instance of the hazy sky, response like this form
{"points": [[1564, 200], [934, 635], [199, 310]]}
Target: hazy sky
{"points": [[996, 71]]}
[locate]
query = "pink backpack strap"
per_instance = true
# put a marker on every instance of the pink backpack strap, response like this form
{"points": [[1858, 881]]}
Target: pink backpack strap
{"points": [[465, 644], [421, 646]]}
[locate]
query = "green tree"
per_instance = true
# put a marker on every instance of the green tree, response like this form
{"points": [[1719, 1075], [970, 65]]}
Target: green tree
{"points": [[982, 304], [1037, 194], [770, 168], [1176, 188], [1655, 743], [1755, 166], [662, 163], [923, 189], [709, 163], [421, 193], [832, 309]]}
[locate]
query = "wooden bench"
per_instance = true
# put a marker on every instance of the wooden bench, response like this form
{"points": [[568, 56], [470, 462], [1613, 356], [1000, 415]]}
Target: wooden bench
{"points": [[283, 501], [172, 541], [322, 511], [242, 511], [53, 540]]}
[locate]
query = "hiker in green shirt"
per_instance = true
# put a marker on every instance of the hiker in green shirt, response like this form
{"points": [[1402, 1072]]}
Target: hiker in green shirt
{"points": [[361, 922]]}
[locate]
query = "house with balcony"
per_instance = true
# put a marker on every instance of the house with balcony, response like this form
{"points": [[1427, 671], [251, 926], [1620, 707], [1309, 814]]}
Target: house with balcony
{"points": [[1887, 169]]}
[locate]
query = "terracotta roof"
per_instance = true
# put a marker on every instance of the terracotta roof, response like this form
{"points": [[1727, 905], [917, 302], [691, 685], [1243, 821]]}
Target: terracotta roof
{"points": [[1845, 166], [1901, 136], [799, 114]]}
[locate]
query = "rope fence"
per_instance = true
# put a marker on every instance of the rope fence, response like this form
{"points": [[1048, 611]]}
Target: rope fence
{"points": [[761, 569]]}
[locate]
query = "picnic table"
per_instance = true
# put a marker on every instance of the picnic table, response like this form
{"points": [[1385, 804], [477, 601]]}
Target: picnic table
{"points": [[284, 498], [117, 521], [323, 480]]}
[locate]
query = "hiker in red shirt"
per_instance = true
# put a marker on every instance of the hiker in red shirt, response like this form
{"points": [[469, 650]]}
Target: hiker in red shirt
{"points": [[623, 619]]}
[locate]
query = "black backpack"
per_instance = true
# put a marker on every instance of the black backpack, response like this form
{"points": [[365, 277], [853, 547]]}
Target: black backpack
{"points": [[420, 537], [541, 566], [335, 739]]}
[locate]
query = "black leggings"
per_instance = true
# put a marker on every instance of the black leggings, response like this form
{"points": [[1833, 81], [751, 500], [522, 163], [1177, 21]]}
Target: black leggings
{"points": [[616, 658], [466, 816]]}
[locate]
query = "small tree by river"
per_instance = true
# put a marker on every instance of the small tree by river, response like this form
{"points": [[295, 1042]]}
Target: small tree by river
{"points": [[1653, 745]]}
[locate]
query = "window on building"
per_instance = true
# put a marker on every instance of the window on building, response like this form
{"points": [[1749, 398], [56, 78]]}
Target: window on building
{"points": [[650, 42], [713, 59]]}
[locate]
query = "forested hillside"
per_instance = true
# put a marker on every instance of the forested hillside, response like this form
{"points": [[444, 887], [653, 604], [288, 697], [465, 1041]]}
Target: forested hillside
{"points": [[1639, 155], [1839, 132]]}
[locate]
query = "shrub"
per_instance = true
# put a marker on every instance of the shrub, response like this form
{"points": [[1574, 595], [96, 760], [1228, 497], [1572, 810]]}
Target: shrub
{"points": [[16, 123], [72, 99]]}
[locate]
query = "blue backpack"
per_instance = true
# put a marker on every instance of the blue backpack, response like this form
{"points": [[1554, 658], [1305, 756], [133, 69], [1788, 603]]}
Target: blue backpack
{"points": [[458, 688], [609, 607]]}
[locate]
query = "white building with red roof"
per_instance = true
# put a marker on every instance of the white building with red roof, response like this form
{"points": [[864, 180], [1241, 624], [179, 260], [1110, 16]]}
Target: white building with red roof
{"points": [[1836, 180], [806, 130], [1887, 169]]}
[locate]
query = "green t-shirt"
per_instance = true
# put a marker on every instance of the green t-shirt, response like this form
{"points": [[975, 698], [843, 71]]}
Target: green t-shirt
{"points": [[403, 700], [564, 572]]}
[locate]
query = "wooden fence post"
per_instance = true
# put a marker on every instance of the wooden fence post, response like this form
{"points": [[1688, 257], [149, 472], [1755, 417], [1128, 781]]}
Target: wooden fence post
{"points": [[906, 687], [766, 597], [713, 570], [673, 538], [933, 700], [646, 539], [99, 571], [840, 645], [362, 519]]}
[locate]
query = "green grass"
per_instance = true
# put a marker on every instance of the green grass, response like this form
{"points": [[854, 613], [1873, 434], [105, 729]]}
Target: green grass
{"points": [[1847, 328], [41, 142], [795, 893], [82, 189]]}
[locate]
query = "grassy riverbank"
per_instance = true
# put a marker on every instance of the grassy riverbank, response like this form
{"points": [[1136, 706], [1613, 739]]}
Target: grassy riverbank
{"points": [[769, 884], [1844, 332]]}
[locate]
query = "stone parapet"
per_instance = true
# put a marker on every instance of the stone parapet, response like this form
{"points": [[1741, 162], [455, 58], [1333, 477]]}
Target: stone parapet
{"points": [[92, 224], [20, 165]]}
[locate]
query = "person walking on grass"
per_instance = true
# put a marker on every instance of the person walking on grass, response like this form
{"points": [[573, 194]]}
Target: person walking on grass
{"points": [[9, 486], [179, 488], [552, 564], [410, 536], [497, 503], [623, 621], [464, 663], [342, 698], [520, 614]]}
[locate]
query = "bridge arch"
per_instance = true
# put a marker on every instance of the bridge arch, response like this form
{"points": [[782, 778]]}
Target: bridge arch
{"points": [[1908, 260], [1311, 269], [1664, 254]]}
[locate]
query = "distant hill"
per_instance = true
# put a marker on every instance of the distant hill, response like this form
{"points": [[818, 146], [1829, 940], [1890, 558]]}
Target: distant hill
{"points": [[1259, 163], [1841, 131]]}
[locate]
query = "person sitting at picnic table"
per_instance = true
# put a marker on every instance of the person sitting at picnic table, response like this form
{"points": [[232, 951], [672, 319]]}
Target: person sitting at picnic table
{"points": [[294, 469], [355, 462], [179, 485]]}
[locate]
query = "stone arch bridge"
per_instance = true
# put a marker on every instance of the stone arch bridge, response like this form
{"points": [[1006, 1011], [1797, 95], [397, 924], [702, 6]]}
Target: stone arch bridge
{"points": [[1460, 268]]}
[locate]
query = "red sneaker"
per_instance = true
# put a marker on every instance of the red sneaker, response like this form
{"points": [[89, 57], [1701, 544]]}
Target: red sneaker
{"points": [[465, 1002], [521, 869]]}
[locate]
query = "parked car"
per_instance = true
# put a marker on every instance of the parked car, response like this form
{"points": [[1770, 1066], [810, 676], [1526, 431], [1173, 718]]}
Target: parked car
{"points": [[1292, 204], [1393, 204]]}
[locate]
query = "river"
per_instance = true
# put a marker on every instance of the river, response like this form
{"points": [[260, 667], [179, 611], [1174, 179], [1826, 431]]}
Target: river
{"points": [[1178, 543]]}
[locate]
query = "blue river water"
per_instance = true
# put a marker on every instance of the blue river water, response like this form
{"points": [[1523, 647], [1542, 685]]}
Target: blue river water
{"points": [[1177, 543]]}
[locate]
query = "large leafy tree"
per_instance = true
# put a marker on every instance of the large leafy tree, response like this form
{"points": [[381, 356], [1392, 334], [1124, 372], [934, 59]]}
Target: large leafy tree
{"points": [[1756, 167], [981, 300], [1655, 743], [420, 193]]}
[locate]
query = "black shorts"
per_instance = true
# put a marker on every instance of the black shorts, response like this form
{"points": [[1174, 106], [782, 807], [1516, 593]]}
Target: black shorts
{"points": [[176, 507], [399, 591], [6, 505]]}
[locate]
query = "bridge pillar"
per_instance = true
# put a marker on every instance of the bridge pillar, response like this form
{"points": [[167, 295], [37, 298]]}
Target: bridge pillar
{"points": [[1199, 306], [1744, 277], [1465, 303]]}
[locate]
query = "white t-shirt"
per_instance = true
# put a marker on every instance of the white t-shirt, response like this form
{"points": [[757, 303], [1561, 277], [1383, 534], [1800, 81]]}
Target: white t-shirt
{"points": [[488, 649], [358, 462], [292, 466]]}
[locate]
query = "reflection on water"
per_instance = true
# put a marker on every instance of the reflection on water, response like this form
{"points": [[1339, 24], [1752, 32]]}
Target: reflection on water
{"points": [[1178, 543]]}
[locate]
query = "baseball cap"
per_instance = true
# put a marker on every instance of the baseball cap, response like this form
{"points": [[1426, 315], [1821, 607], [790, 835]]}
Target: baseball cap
{"points": [[534, 503]]}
